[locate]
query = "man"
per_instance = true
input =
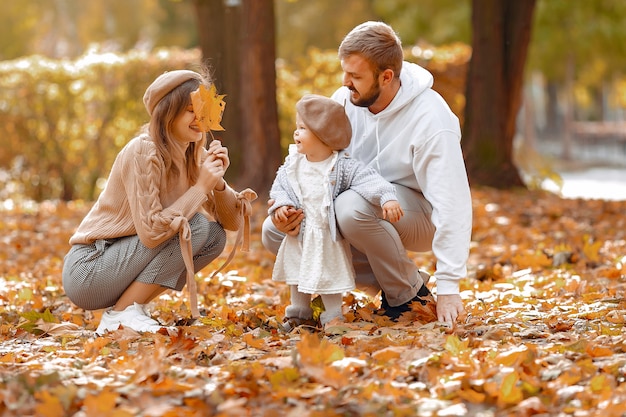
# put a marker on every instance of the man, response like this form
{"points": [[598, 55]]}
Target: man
{"points": [[405, 130]]}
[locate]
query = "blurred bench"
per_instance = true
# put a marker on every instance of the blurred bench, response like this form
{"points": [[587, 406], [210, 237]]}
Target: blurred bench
{"points": [[600, 130], [604, 139]]}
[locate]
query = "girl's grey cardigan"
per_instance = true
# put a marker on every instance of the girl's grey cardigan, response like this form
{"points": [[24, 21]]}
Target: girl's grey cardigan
{"points": [[346, 173]]}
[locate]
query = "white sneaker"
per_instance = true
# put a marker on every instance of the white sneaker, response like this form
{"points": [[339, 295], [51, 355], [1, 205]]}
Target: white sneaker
{"points": [[132, 316]]}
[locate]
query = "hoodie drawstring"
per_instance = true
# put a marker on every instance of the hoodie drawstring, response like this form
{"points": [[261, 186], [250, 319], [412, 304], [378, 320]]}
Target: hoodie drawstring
{"points": [[377, 148]]}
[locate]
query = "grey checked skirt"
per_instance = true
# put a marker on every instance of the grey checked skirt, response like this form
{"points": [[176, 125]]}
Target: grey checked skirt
{"points": [[96, 275]]}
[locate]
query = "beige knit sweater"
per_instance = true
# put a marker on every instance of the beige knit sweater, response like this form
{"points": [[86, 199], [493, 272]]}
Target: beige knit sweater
{"points": [[131, 204]]}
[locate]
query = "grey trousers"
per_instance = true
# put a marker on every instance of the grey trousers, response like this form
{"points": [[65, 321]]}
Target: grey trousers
{"points": [[379, 248], [96, 275]]}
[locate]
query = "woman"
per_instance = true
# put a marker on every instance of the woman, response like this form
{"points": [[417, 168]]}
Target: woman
{"points": [[150, 229]]}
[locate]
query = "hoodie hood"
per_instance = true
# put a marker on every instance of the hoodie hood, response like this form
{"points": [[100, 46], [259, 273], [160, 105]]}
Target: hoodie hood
{"points": [[366, 145], [399, 132], [414, 81]]}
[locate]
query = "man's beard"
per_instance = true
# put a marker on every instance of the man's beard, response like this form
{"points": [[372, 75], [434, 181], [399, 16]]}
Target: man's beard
{"points": [[369, 98]]}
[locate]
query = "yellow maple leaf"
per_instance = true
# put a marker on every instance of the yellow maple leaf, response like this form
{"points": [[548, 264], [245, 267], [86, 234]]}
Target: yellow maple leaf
{"points": [[591, 248], [208, 107], [509, 392]]}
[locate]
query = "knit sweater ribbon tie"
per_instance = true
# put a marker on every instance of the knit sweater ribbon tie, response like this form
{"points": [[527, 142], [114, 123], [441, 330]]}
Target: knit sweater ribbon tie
{"points": [[244, 200], [181, 224]]}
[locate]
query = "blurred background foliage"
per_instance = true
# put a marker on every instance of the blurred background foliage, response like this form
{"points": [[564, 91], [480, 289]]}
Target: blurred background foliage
{"points": [[64, 120], [73, 72]]}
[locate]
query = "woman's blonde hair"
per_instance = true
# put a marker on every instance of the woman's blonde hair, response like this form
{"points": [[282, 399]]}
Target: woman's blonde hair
{"points": [[161, 126]]}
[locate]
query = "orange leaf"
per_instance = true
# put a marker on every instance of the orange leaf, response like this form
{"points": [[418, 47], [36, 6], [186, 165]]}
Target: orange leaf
{"points": [[249, 340], [49, 406], [208, 107], [315, 357], [616, 317], [597, 351], [315, 352], [104, 405], [472, 396], [388, 354]]}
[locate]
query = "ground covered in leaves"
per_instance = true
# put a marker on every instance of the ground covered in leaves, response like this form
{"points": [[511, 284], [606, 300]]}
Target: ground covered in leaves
{"points": [[544, 332]]}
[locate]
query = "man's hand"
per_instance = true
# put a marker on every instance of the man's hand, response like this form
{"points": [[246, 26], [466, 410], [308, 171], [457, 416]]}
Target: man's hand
{"points": [[287, 220], [449, 308]]}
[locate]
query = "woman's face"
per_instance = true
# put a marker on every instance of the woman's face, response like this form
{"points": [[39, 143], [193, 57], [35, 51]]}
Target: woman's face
{"points": [[185, 128]]}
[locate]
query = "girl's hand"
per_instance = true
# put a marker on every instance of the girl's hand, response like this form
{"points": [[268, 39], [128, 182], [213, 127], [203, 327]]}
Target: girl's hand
{"points": [[392, 211], [219, 152], [282, 213], [287, 219]]}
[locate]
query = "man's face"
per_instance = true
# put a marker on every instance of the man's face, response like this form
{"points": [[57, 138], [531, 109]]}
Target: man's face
{"points": [[361, 79]]}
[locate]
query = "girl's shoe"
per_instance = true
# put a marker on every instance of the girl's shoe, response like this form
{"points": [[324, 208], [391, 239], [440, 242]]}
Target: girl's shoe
{"points": [[291, 323]]}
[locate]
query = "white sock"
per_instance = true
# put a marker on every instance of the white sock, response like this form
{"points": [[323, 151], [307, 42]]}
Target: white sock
{"points": [[332, 307], [300, 306]]}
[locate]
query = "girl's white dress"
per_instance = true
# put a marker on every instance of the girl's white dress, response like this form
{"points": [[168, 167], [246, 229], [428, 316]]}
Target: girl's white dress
{"points": [[315, 263]]}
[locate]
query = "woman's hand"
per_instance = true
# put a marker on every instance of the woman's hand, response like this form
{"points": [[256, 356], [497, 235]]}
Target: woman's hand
{"points": [[211, 173], [217, 151]]}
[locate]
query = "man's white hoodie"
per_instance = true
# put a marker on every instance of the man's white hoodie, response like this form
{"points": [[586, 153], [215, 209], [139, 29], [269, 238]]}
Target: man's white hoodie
{"points": [[415, 142]]}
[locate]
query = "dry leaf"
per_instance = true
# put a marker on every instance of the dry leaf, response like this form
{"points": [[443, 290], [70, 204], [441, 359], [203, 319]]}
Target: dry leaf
{"points": [[546, 339], [208, 107]]}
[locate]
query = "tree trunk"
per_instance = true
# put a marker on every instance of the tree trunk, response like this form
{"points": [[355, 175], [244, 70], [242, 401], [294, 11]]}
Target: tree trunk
{"points": [[238, 37], [218, 34], [501, 33], [261, 140]]}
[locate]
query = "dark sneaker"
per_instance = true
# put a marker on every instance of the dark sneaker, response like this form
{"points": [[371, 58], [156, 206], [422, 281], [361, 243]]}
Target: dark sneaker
{"points": [[423, 297]]}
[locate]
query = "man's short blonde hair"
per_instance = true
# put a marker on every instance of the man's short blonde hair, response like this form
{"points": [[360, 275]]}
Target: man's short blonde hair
{"points": [[377, 43]]}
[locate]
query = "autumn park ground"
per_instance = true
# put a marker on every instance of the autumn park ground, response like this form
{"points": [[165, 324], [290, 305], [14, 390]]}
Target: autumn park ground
{"points": [[544, 333]]}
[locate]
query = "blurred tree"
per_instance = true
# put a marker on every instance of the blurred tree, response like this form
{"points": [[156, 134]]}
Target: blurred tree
{"points": [[577, 48], [218, 25], [63, 122], [436, 22], [261, 154], [238, 36], [322, 24], [19, 24], [500, 37], [67, 28]]}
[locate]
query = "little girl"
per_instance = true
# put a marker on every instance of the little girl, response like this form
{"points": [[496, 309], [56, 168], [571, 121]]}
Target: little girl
{"points": [[317, 260]]}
